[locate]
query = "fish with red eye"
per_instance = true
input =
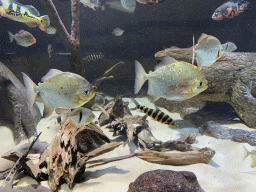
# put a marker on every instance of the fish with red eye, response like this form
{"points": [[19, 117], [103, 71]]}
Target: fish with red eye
{"points": [[231, 9]]}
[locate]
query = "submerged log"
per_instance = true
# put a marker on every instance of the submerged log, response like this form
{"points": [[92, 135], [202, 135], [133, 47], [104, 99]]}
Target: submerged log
{"points": [[230, 79], [221, 132]]}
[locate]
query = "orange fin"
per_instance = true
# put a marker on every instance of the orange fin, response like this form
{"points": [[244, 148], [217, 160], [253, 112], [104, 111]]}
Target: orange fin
{"points": [[31, 24]]}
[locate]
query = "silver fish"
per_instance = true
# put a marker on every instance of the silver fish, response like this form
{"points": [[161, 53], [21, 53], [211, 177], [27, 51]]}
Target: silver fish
{"points": [[229, 47], [172, 79], [22, 38], [59, 90], [49, 49], [118, 32], [208, 50], [78, 116]]}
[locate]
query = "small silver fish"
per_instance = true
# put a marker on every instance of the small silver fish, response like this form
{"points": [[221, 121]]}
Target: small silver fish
{"points": [[78, 116], [172, 79], [127, 6], [22, 38], [208, 50], [50, 30], [59, 90], [117, 31], [93, 57], [49, 49], [229, 47]]}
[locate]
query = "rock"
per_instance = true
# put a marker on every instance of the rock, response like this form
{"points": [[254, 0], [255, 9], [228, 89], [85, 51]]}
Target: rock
{"points": [[166, 180]]}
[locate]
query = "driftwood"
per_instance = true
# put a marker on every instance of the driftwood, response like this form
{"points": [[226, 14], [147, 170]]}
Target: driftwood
{"points": [[14, 106], [230, 79], [8, 183], [221, 132], [185, 158], [71, 41]]}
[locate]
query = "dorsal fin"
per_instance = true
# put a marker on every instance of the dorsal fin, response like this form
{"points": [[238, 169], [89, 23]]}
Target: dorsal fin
{"points": [[203, 35], [50, 74], [166, 61], [32, 10]]}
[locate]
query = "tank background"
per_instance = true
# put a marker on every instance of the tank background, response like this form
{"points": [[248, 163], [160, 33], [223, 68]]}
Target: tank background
{"points": [[150, 29]]}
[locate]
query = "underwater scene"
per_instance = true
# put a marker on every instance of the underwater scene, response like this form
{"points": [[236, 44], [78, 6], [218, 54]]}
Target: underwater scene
{"points": [[128, 95]]}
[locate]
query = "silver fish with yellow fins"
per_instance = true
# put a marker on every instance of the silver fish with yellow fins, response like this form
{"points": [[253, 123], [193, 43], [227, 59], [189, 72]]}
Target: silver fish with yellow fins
{"points": [[208, 50], [59, 90], [172, 79], [156, 114], [24, 13], [22, 38]]}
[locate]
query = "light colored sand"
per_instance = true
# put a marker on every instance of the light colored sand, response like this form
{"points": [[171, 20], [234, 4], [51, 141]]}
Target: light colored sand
{"points": [[226, 171]]}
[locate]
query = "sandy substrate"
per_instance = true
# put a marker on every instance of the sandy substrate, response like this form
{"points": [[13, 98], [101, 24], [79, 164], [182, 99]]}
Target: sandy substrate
{"points": [[229, 170]]}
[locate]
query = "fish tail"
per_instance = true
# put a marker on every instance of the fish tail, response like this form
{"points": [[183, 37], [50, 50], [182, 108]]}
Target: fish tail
{"points": [[139, 77], [44, 22], [10, 36], [246, 5], [30, 89]]}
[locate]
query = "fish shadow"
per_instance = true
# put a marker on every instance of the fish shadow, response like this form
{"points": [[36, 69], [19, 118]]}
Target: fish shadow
{"points": [[98, 173]]}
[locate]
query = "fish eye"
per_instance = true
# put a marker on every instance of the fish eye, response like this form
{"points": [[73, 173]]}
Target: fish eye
{"points": [[41, 21], [200, 83], [86, 92]]}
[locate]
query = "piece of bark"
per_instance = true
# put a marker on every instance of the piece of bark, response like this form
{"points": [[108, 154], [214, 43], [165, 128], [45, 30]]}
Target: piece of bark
{"points": [[182, 158], [188, 137], [116, 108], [7, 186], [14, 106], [66, 157], [230, 79], [221, 132], [166, 181], [181, 144]]}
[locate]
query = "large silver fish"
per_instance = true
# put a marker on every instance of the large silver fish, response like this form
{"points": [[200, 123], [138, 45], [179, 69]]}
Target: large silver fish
{"points": [[59, 90], [172, 79]]}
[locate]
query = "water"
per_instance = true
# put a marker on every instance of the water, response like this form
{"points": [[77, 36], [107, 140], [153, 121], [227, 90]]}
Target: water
{"points": [[151, 28]]}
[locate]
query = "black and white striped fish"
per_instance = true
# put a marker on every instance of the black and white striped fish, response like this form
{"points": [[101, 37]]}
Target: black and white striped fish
{"points": [[156, 114], [92, 57]]}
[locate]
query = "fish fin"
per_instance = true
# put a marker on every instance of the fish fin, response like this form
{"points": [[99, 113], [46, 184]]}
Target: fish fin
{"points": [[30, 89], [48, 109], [166, 61], [139, 77], [203, 35], [117, 5], [10, 36], [129, 5], [64, 114], [45, 22], [31, 24], [50, 74], [151, 93], [32, 10], [134, 101]]}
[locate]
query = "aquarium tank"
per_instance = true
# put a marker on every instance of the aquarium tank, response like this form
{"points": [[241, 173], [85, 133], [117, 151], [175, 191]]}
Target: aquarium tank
{"points": [[127, 95]]}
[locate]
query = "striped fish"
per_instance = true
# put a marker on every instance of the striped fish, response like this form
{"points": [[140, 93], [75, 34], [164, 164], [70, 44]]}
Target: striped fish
{"points": [[156, 114], [24, 13], [93, 57]]}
